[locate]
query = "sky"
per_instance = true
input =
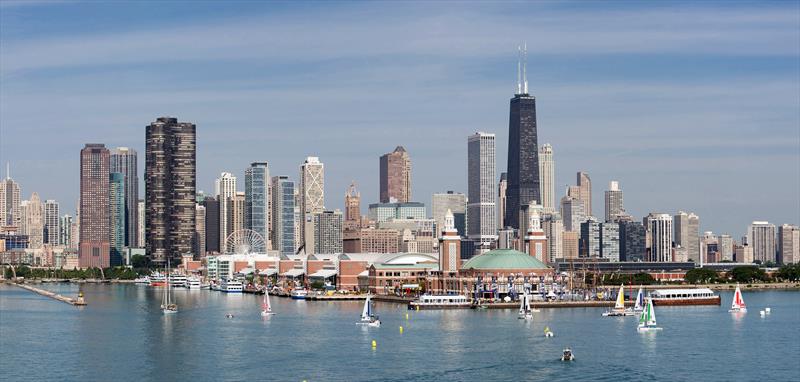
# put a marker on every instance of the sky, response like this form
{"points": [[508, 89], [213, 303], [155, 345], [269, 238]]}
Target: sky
{"points": [[689, 105]]}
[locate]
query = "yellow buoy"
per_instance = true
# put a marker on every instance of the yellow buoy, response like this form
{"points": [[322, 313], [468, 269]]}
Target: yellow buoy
{"points": [[417, 307], [374, 343], [406, 316], [401, 330]]}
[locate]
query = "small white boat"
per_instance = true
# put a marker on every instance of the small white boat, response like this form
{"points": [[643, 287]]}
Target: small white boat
{"points": [[299, 294], [266, 307], [367, 316], [737, 305], [639, 306], [647, 320], [428, 301], [548, 332], [619, 307], [193, 283], [231, 286], [567, 355], [525, 308], [177, 281]]}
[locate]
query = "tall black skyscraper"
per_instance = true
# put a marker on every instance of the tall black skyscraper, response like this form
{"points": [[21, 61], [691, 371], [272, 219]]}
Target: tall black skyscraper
{"points": [[523, 151], [170, 186]]}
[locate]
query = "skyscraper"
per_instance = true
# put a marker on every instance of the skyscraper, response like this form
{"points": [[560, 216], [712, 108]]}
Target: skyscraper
{"points": [[553, 228], [311, 198], [609, 241], [481, 210], [257, 200], [572, 213], [65, 231], [352, 204], [236, 213], [94, 247], [170, 188], [615, 206], [761, 237], [395, 176], [212, 229], [523, 151], [34, 222], [124, 161], [140, 220], [687, 237], [283, 228], [788, 244], [590, 238], [51, 222], [9, 201], [585, 192], [225, 190], [660, 228], [632, 237], [328, 232], [502, 188], [547, 178], [456, 203], [200, 231], [116, 203]]}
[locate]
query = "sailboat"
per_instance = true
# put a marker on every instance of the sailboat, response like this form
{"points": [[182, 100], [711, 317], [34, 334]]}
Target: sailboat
{"points": [[367, 317], [639, 306], [738, 306], [266, 307], [619, 308], [647, 320], [167, 305], [525, 308]]}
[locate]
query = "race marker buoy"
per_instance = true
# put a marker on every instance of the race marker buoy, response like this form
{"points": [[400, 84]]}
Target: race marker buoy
{"points": [[406, 316], [401, 330], [374, 344]]}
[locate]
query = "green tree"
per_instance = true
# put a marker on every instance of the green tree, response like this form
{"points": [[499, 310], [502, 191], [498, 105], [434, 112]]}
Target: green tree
{"points": [[139, 261], [317, 284], [790, 272], [748, 274], [701, 276]]}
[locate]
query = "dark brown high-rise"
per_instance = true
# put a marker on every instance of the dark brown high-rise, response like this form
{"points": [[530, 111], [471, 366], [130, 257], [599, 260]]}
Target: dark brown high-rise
{"points": [[95, 233], [170, 185], [395, 176]]}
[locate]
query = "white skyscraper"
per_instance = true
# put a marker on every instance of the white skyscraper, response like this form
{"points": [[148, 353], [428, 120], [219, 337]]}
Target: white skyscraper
{"points": [[660, 229], [481, 207], [9, 201], [547, 178], [687, 237], [140, 223], [788, 244], [51, 222], [225, 188], [311, 198], [34, 221], [761, 237], [615, 206], [65, 231]]}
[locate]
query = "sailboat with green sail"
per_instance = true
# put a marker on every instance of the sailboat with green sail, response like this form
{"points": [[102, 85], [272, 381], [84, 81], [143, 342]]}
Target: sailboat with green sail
{"points": [[647, 320]]}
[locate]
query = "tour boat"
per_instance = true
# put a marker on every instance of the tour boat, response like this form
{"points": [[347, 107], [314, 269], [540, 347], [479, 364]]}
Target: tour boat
{"points": [[567, 355], [157, 279], [525, 308], [619, 308], [231, 286], [177, 281], [738, 306], [700, 296], [193, 283], [299, 294], [266, 307], [428, 301], [639, 306], [167, 305], [647, 320], [367, 316]]}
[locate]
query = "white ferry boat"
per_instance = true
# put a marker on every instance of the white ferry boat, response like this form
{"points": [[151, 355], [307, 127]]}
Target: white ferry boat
{"points": [[142, 280], [440, 302], [177, 281], [299, 294], [231, 286], [157, 279], [699, 296], [193, 283]]}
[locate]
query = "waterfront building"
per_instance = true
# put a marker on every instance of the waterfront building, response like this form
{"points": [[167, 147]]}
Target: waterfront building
{"points": [[615, 206], [51, 222], [572, 213], [140, 220], [75, 233], [660, 228], [553, 228], [535, 241], [381, 212], [236, 213], [33, 217], [523, 153], [584, 185], [788, 244], [352, 205], [547, 179], [257, 200], [609, 241], [311, 199], [761, 237], [456, 203], [94, 247], [709, 248], [225, 190], [116, 203], [743, 253], [571, 244], [687, 236], [725, 247], [9, 201], [449, 245], [328, 232], [395, 176], [199, 231], [65, 231], [283, 215], [632, 240], [481, 225], [371, 240], [493, 274], [502, 187], [590, 238], [170, 188], [212, 221], [124, 160]]}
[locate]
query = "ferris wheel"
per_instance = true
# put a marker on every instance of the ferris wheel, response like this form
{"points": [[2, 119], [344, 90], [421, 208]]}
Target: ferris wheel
{"points": [[244, 241]]}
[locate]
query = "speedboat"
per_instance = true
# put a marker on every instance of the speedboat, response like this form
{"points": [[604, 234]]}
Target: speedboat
{"points": [[299, 294], [567, 355]]}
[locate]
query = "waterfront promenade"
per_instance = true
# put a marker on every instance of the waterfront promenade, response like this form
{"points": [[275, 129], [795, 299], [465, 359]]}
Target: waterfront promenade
{"points": [[72, 301]]}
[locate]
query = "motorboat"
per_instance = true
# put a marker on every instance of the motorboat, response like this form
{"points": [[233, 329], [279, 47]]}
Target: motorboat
{"points": [[567, 355], [299, 294], [548, 332], [231, 286]]}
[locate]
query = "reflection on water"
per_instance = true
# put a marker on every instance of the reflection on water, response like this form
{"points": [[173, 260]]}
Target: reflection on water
{"points": [[124, 326]]}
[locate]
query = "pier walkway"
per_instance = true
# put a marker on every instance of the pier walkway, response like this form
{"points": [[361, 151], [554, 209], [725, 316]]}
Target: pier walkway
{"points": [[72, 301]]}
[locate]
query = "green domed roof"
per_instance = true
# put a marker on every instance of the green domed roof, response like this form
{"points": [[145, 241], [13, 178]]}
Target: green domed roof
{"points": [[504, 259]]}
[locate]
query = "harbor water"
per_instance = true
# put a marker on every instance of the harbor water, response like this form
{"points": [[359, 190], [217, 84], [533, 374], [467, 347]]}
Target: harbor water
{"points": [[122, 335]]}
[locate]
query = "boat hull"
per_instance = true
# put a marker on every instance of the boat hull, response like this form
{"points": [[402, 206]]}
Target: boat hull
{"points": [[716, 300], [647, 329], [413, 306]]}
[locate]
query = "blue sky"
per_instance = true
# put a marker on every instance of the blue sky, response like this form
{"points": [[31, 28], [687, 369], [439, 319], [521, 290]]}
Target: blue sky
{"points": [[690, 105]]}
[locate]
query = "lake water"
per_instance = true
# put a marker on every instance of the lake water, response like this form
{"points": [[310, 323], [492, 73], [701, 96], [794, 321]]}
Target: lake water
{"points": [[123, 336]]}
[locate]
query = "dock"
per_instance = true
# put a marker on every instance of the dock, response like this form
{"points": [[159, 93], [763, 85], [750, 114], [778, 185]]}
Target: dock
{"points": [[72, 301], [554, 304], [336, 297]]}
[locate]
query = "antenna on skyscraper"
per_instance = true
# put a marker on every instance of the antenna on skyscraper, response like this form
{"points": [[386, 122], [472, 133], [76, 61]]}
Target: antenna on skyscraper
{"points": [[525, 68], [8, 170], [519, 69]]}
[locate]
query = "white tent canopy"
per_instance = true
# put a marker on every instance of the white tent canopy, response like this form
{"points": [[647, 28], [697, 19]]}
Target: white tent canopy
{"points": [[324, 273], [294, 273]]}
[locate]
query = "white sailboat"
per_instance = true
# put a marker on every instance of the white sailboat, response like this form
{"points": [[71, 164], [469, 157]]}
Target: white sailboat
{"points": [[738, 306], [525, 308], [647, 320], [266, 307], [639, 306], [367, 316], [167, 305], [619, 307]]}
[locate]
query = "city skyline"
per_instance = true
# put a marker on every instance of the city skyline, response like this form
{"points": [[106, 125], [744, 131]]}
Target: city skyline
{"points": [[705, 148]]}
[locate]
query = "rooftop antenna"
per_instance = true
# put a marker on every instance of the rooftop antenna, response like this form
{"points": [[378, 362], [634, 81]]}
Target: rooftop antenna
{"points": [[525, 68], [519, 69], [8, 170]]}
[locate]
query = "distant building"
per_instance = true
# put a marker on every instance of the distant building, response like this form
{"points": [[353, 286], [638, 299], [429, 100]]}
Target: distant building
{"points": [[481, 210], [502, 186], [380, 212], [725, 247], [9, 201], [572, 213], [449, 246], [311, 199], [660, 228], [590, 238], [236, 213], [761, 237], [65, 231], [743, 254], [788, 244], [257, 200], [33, 217], [116, 202], [553, 228], [283, 215], [456, 203], [352, 205], [140, 220], [615, 206], [632, 238], [585, 193], [94, 219], [547, 178], [687, 236], [225, 190], [372, 240], [571, 245], [200, 231], [609, 241], [395, 176], [52, 222], [328, 232], [212, 222], [124, 160]]}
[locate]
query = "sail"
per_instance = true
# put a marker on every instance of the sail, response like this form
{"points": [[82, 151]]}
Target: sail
{"points": [[639, 300], [522, 304], [266, 305], [527, 303], [366, 312], [651, 314], [620, 298], [738, 302]]}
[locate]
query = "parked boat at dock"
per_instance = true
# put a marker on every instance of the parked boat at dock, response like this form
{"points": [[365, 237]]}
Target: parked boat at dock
{"points": [[231, 286], [699, 296], [299, 294], [440, 302]]}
